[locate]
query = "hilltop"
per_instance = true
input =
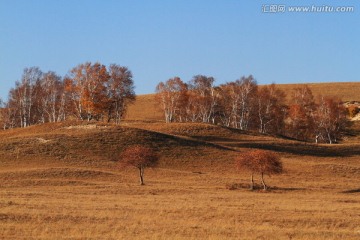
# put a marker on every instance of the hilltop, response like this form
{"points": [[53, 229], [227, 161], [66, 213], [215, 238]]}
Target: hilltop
{"points": [[146, 108]]}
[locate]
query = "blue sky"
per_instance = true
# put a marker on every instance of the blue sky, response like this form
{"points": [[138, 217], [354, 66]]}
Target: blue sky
{"points": [[158, 40]]}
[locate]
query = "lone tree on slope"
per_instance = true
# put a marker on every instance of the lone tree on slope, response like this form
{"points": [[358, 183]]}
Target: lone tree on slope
{"points": [[259, 161], [139, 157]]}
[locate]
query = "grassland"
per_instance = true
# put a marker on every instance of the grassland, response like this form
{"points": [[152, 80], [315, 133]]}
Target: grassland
{"points": [[61, 181]]}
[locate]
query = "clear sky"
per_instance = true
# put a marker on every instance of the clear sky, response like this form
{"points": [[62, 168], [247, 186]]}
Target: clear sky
{"points": [[158, 40]]}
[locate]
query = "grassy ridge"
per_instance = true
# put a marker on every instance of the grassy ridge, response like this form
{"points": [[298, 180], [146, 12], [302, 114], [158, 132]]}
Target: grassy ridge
{"points": [[98, 144]]}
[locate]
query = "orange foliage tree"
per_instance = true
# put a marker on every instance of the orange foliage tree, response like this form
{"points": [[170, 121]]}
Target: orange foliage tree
{"points": [[86, 86], [301, 114], [259, 161], [271, 109], [120, 92], [94, 92], [139, 157]]}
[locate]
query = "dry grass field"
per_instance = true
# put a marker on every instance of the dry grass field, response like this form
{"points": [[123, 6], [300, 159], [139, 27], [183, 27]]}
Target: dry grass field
{"points": [[145, 107], [346, 91], [61, 181]]}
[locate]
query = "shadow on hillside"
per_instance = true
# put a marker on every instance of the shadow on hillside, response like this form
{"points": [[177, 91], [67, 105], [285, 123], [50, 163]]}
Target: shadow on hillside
{"points": [[304, 149], [297, 148], [184, 141], [353, 129], [216, 139], [352, 191]]}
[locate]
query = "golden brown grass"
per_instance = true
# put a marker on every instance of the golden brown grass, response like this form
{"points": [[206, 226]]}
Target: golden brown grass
{"points": [[72, 189], [346, 91], [145, 108]]}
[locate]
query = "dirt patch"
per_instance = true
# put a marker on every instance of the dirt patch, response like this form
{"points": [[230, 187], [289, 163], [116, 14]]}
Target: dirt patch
{"points": [[42, 140]]}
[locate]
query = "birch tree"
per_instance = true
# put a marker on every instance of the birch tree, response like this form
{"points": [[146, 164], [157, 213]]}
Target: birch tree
{"points": [[172, 96], [23, 95], [330, 119], [51, 97], [203, 91], [238, 100]]}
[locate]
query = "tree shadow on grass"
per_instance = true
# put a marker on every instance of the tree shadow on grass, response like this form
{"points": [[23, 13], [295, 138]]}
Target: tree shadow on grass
{"points": [[259, 188], [352, 191]]}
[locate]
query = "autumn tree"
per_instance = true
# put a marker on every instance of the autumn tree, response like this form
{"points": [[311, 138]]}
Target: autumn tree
{"points": [[271, 109], [37, 98], [191, 108], [330, 119], [50, 99], [86, 85], [7, 116], [120, 91], [230, 104], [139, 157], [261, 162], [204, 97], [96, 92], [88, 92], [21, 98], [172, 96], [300, 120]]}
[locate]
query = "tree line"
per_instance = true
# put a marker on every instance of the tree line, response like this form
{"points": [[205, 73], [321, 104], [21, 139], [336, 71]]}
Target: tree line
{"points": [[244, 105], [90, 91]]}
